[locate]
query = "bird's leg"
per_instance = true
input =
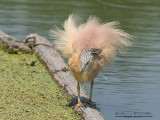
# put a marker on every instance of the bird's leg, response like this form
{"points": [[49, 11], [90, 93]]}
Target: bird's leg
{"points": [[92, 83], [79, 101]]}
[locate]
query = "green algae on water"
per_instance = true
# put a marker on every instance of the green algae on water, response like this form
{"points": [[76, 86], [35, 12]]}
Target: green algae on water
{"points": [[27, 91]]}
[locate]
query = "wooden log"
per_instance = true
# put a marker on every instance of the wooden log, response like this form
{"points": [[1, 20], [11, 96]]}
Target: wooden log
{"points": [[12, 45], [62, 75]]}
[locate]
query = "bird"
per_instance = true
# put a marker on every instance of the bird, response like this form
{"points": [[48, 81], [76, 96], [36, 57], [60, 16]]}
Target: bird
{"points": [[89, 47]]}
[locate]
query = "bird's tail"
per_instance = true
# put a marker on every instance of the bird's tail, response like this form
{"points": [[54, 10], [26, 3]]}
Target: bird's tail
{"points": [[92, 34]]}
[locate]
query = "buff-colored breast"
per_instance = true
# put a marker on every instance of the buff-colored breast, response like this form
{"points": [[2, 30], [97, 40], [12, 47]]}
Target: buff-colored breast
{"points": [[89, 73]]}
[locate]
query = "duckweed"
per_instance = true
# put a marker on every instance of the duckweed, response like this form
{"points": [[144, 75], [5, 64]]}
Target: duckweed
{"points": [[27, 91]]}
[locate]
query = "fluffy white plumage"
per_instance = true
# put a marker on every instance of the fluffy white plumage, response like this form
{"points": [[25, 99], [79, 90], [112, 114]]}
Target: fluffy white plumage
{"points": [[92, 34]]}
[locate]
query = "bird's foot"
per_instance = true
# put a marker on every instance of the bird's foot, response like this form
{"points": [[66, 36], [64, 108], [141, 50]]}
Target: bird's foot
{"points": [[90, 102], [78, 105]]}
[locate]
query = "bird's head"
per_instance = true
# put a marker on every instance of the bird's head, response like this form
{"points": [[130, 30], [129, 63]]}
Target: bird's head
{"points": [[87, 57]]}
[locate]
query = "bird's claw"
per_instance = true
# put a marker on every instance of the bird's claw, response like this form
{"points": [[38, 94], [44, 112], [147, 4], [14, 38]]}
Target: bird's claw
{"points": [[78, 105]]}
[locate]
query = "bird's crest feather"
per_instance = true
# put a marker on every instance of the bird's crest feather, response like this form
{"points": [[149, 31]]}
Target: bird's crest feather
{"points": [[92, 34]]}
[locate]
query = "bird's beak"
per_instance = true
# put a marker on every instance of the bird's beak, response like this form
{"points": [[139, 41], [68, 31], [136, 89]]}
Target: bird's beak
{"points": [[82, 68]]}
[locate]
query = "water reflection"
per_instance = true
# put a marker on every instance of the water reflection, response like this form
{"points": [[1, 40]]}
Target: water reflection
{"points": [[133, 84]]}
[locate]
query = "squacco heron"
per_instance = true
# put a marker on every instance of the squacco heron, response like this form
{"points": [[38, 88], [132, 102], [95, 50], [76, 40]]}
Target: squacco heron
{"points": [[89, 47]]}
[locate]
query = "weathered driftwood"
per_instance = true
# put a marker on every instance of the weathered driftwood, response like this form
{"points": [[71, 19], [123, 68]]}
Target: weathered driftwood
{"points": [[61, 74], [12, 44]]}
